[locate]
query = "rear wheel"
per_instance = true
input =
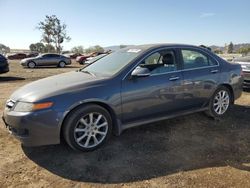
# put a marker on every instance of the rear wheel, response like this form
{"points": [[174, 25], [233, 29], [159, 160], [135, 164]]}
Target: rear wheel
{"points": [[31, 64], [61, 64], [220, 102], [87, 128]]}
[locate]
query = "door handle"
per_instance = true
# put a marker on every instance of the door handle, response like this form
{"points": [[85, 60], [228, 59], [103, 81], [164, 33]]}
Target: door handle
{"points": [[174, 78], [214, 71]]}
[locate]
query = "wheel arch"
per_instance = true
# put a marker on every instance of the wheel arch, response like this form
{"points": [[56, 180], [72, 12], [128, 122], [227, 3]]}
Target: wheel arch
{"points": [[230, 88], [115, 121]]}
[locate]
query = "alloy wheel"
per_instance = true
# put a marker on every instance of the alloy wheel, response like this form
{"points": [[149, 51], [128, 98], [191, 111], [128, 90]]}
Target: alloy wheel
{"points": [[91, 130], [221, 102]]}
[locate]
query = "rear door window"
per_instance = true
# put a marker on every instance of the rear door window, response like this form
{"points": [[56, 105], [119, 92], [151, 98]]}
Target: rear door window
{"points": [[194, 59]]}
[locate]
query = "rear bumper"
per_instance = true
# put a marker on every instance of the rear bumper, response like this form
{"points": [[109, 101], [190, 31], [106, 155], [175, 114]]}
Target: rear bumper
{"points": [[33, 128]]}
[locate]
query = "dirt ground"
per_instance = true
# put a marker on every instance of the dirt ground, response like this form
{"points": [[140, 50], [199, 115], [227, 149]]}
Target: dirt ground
{"points": [[189, 151]]}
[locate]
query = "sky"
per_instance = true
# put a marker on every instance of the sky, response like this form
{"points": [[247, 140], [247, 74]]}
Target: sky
{"points": [[115, 22]]}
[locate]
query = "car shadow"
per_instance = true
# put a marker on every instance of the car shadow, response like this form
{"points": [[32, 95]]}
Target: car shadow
{"points": [[181, 144], [10, 78], [246, 90]]}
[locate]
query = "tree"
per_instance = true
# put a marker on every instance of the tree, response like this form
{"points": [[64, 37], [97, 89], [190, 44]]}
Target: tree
{"points": [[123, 46], [53, 32], [77, 49], [49, 48], [244, 50], [230, 48], [218, 51], [38, 47], [93, 49], [4, 49]]}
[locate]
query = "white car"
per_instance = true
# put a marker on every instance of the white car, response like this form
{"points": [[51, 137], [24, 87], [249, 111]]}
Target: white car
{"points": [[245, 65]]}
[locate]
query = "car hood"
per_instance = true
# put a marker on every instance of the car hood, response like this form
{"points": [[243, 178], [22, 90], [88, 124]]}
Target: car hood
{"points": [[27, 59], [54, 85]]}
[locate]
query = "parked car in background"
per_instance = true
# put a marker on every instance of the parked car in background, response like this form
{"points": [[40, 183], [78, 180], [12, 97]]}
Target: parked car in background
{"points": [[46, 60], [127, 88], [75, 55], [81, 59], [4, 65], [32, 54], [91, 60], [245, 64], [17, 56]]}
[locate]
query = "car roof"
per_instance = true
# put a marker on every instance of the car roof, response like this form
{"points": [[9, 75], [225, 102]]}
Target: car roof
{"points": [[50, 54], [146, 47]]}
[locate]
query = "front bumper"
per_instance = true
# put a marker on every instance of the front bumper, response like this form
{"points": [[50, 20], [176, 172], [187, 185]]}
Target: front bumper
{"points": [[33, 128], [4, 69]]}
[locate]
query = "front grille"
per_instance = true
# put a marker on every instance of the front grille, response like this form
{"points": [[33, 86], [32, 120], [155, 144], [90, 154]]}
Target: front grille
{"points": [[10, 104], [246, 75]]}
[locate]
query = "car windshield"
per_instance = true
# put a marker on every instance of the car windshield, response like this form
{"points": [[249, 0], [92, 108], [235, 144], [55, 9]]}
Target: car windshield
{"points": [[112, 63]]}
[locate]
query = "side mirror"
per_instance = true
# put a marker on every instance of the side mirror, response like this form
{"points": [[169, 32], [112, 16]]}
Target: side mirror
{"points": [[140, 72]]}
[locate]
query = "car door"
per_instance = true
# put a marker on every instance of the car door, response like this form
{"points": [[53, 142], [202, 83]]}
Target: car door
{"points": [[55, 59], [40, 60], [44, 60], [201, 75], [155, 94]]}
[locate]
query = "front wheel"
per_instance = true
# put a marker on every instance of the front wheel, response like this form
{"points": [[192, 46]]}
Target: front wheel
{"points": [[220, 102], [87, 128], [31, 65]]}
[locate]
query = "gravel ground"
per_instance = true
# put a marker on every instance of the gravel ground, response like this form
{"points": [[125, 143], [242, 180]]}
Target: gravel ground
{"points": [[189, 151]]}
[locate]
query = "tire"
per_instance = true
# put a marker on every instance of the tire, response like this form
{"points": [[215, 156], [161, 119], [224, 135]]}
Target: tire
{"points": [[220, 103], [82, 62], [31, 64], [85, 132], [61, 64]]}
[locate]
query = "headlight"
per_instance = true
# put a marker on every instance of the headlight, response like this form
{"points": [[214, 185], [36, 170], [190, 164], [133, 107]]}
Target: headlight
{"points": [[28, 107]]}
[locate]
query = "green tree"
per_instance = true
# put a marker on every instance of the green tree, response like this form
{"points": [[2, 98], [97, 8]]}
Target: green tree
{"points": [[93, 49], [123, 46], [78, 49], [53, 32], [49, 48], [38, 47], [230, 48], [218, 51], [244, 50]]}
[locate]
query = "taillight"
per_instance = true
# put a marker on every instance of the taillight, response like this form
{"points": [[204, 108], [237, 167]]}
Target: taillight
{"points": [[241, 72]]}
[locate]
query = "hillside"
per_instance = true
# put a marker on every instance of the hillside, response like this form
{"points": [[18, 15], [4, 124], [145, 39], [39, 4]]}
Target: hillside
{"points": [[236, 46]]}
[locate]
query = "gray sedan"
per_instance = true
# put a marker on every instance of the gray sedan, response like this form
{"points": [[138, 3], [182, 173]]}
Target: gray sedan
{"points": [[46, 60], [133, 86]]}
